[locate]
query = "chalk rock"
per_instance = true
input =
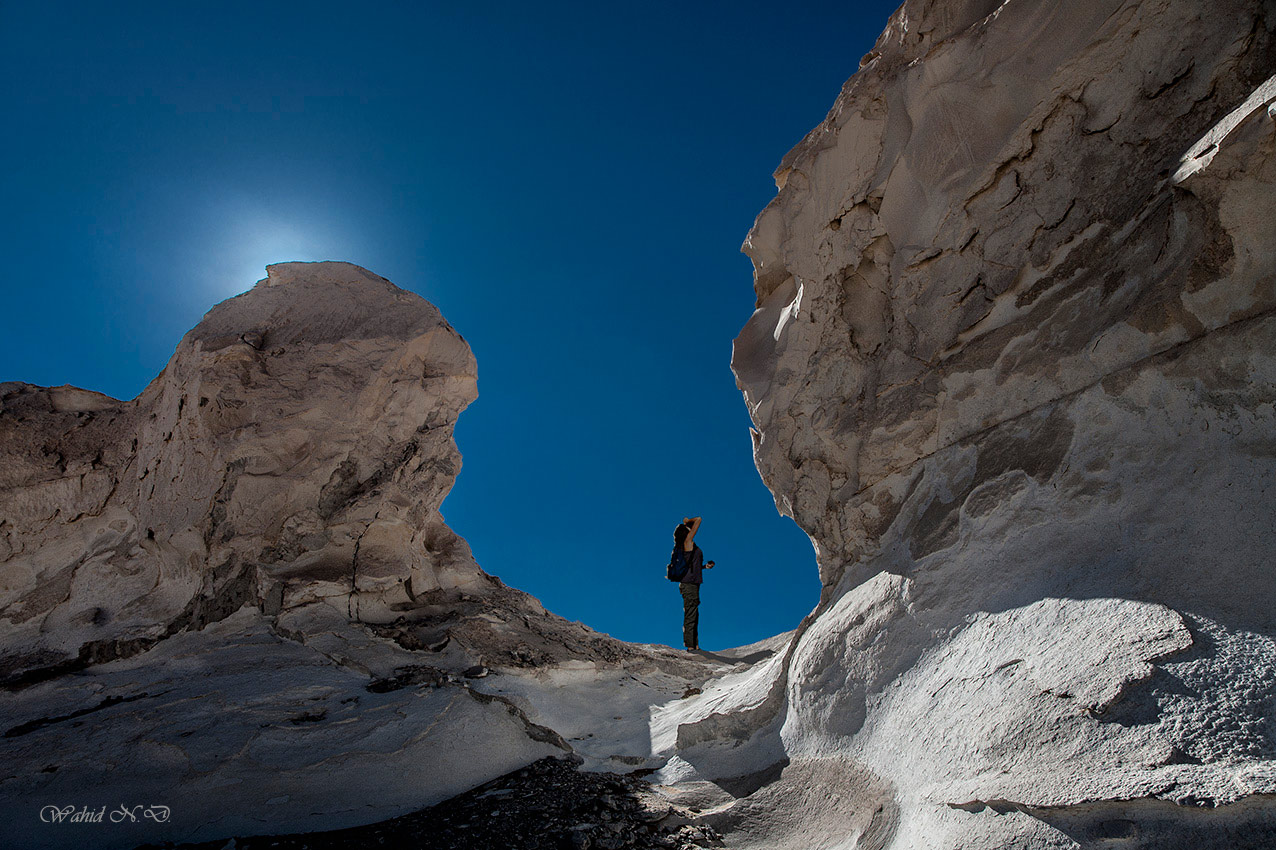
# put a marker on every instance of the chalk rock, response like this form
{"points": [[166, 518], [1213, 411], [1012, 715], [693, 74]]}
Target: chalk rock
{"points": [[234, 599], [295, 449], [1013, 369]]}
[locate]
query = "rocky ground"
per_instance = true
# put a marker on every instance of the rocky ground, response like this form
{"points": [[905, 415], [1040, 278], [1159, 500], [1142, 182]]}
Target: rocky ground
{"points": [[548, 805]]}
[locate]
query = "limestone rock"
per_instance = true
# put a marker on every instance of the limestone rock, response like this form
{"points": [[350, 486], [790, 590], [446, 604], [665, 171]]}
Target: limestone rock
{"points": [[1013, 369], [295, 449], [232, 602]]}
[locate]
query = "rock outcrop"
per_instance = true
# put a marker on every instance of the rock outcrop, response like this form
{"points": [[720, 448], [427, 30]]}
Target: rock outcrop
{"points": [[231, 607], [1013, 369], [295, 449]]}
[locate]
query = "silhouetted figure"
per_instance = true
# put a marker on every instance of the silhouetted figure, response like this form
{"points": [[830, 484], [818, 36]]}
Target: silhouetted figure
{"points": [[684, 541]]}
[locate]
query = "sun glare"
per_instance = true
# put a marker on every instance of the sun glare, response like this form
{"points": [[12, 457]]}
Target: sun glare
{"points": [[249, 240]]}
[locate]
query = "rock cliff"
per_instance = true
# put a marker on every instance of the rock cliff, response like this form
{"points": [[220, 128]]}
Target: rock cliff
{"points": [[1013, 369]]}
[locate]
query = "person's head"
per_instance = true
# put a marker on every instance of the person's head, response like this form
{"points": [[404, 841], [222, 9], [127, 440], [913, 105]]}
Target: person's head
{"points": [[680, 534]]}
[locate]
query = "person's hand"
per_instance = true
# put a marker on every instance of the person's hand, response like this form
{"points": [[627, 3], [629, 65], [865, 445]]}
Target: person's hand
{"points": [[709, 565]]}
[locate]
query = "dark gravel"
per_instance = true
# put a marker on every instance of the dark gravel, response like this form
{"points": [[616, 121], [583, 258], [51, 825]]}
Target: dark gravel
{"points": [[550, 804]]}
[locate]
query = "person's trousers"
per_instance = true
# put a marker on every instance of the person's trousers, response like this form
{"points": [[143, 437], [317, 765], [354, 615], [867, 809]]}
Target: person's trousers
{"points": [[690, 614]]}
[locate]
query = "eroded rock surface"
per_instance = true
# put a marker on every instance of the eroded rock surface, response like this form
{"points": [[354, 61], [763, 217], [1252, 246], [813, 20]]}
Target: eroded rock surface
{"points": [[295, 449], [1013, 368], [234, 598]]}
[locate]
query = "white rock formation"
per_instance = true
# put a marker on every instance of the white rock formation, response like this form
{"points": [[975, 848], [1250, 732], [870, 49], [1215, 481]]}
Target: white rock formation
{"points": [[1013, 369], [295, 449], [234, 596]]}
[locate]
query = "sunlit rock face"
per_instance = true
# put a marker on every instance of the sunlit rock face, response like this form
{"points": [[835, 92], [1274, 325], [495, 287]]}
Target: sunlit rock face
{"points": [[295, 449], [1013, 368], [234, 597]]}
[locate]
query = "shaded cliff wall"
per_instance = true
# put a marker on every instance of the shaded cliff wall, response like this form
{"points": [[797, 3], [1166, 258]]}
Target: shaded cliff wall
{"points": [[1013, 368]]}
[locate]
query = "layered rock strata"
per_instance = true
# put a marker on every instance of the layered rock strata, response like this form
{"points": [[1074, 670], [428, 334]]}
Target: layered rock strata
{"points": [[1013, 369]]}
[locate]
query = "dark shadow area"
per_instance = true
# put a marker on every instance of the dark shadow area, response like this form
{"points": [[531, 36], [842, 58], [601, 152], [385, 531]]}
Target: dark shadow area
{"points": [[549, 805], [743, 786], [1192, 676], [809, 804], [1142, 704], [33, 725], [1249, 824], [749, 658]]}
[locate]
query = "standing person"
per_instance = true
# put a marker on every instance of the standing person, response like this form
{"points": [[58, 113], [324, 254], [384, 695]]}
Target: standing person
{"points": [[684, 539]]}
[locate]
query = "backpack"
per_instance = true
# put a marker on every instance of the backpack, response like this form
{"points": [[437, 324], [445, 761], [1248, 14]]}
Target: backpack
{"points": [[678, 564]]}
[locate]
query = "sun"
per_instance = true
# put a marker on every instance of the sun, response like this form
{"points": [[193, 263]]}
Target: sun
{"points": [[242, 239]]}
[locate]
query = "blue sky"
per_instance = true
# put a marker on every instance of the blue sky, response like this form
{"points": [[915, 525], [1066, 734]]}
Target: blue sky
{"points": [[569, 183]]}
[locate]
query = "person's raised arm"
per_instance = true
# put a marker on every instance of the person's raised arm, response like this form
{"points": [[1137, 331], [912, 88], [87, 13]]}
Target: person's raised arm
{"points": [[694, 524]]}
